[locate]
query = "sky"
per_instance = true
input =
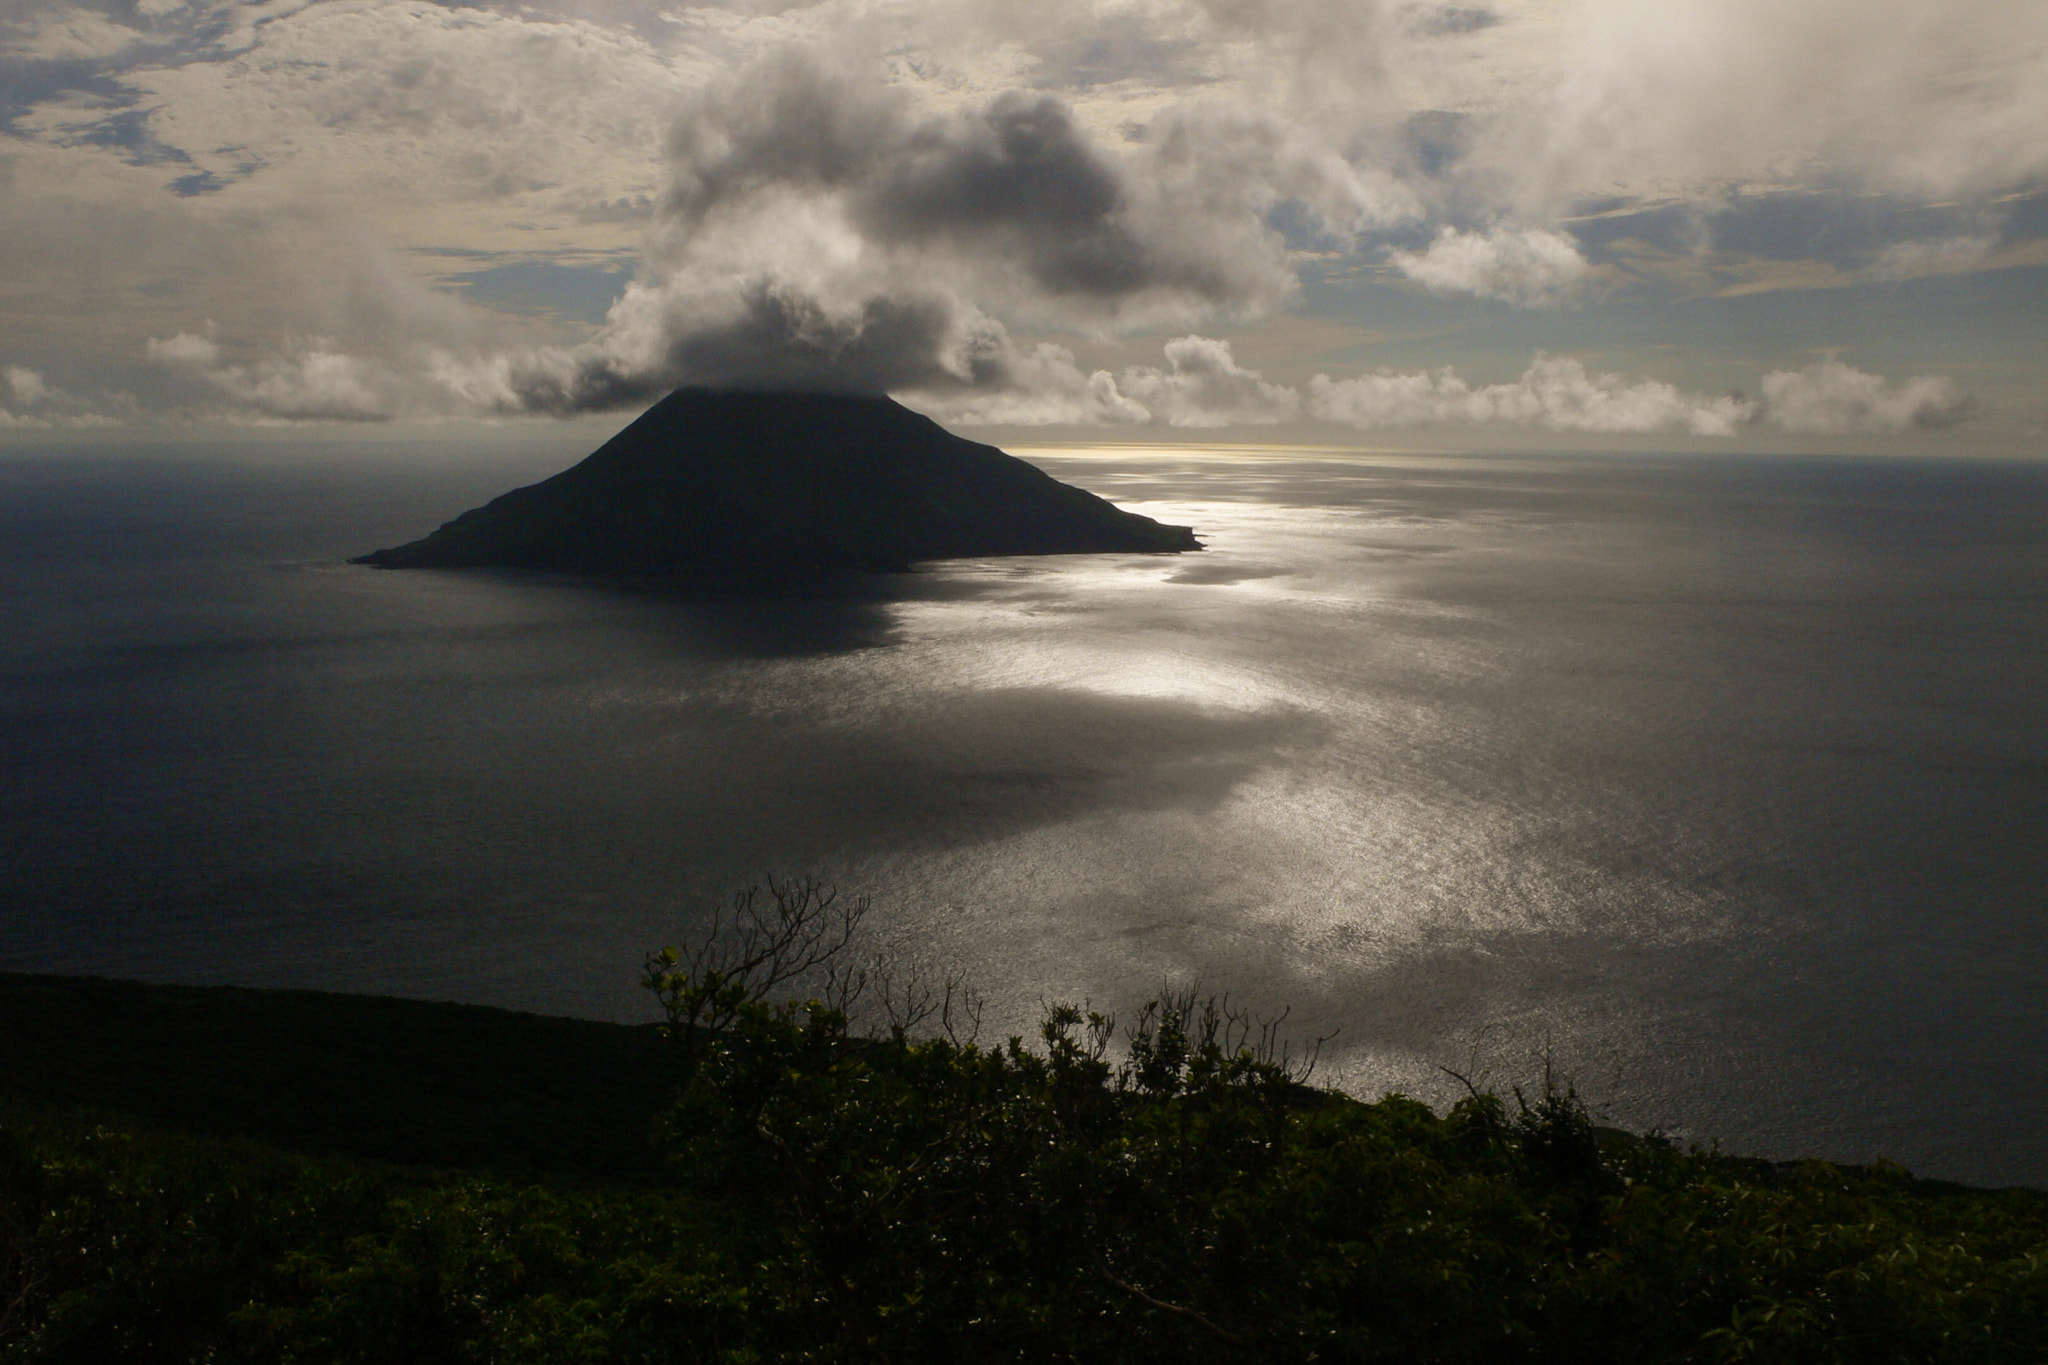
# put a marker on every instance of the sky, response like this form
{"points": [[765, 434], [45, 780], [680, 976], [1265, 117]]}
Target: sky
{"points": [[1714, 224]]}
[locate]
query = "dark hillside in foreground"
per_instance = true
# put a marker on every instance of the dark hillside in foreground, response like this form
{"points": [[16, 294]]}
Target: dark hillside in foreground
{"points": [[726, 484], [830, 1196], [366, 1076]]}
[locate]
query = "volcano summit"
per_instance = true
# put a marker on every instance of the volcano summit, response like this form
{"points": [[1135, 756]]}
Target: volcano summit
{"points": [[721, 484]]}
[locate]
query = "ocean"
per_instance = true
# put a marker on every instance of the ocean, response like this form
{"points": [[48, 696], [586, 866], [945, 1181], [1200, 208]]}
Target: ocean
{"points": [[1719, 782]]}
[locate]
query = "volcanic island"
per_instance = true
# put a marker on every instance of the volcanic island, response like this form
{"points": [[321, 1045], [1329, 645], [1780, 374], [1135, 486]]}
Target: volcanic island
{"points": [[722, 485]]}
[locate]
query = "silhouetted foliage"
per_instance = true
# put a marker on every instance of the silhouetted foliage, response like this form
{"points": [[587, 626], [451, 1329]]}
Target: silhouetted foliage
{"points": [[853, 1176]]}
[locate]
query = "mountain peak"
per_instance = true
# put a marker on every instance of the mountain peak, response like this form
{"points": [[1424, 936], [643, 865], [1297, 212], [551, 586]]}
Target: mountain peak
{"points": [[714, 482]]}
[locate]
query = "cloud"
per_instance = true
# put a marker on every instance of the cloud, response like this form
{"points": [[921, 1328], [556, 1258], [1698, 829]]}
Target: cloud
{"points": [[39, 405], [1316, 54], [416, 111], [824, 231], [64, 33], [1558, 393], [946, 199], [1835, 399], [1833, 233], [1204, 386], [27, 386], [1527, 267], [1441, 21], [1201, 385], [28, 389], [312, 380], [184, 349], [1555, 393], [1010, 186], [1940, 256], [1045, 388], [1689, 95]]}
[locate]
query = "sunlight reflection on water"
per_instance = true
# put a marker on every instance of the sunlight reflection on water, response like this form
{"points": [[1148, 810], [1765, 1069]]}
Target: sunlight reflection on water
{"points": [[1723, 779]]}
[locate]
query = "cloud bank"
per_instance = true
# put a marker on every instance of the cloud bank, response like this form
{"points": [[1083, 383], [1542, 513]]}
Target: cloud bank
{"points": [[1555, 393], [950, 201], [820, 231], [1202, 385]]}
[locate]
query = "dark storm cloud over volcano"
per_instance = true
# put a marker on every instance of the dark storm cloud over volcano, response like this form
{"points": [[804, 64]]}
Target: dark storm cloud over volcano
{"points": [[820, 231]]}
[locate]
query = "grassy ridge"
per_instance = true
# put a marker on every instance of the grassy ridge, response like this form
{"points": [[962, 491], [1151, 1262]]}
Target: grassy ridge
{"points": [[392, 1080], [223, 1175]]}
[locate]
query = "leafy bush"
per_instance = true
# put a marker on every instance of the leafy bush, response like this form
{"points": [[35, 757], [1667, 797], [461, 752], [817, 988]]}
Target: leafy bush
{"points": [[852, 1176], [942, 1200]]}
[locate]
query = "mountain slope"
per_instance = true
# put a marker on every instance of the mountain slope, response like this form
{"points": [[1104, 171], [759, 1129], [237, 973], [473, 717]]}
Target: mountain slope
{"points": [[719, 482]]}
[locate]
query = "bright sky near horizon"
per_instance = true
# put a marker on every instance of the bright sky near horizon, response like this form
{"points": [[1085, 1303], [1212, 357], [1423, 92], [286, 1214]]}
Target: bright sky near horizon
{"points": [[1737, 223]]}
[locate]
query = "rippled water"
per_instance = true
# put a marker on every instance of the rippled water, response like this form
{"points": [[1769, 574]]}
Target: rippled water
{"points": [[1725, 780]]}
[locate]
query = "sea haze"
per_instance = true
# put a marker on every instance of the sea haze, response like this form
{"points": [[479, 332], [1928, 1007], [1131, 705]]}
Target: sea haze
{"points": [[1724, 780]]}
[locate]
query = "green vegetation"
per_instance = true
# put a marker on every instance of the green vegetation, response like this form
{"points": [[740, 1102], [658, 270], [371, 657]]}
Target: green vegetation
{"points": [[822, 1189]]}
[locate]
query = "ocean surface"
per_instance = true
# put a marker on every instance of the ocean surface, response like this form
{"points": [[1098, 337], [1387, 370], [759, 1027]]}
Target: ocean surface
{"points": [[1722, 782]]}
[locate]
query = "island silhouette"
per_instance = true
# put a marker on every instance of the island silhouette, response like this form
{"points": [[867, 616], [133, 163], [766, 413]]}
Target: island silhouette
{"points": [[734, 484]]}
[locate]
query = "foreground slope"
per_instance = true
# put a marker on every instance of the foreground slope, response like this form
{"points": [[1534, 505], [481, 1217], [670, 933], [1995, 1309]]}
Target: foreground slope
{"points": [[182, 1179], [722, 483]]}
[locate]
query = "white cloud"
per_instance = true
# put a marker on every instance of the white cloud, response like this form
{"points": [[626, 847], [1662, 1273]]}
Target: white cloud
{"points": [[1832, 398], [1527, 267], [446, 125], [41, 405], [68, 33], [183, 349], [1204, 386], [1686, 95], [1045, 388], [1555, 393], [28, 389], [1558, 393], [1201, 385], [1941, 256], [27, 385], [314, 381]]}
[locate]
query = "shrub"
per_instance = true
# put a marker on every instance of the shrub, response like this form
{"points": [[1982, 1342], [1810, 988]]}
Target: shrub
{"points": [[853, 1176]]}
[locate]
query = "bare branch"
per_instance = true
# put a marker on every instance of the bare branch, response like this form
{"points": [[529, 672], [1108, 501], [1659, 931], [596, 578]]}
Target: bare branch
{"points": [[1463, 1080], [796, 943], [1176, 1309], [960, 1015]]}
